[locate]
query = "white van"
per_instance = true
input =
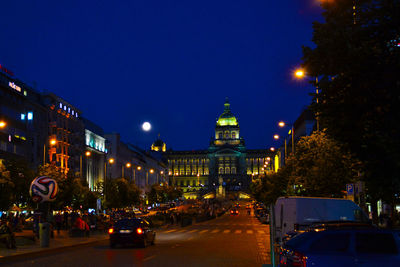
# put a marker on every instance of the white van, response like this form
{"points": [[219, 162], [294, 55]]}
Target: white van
{"points": [[297, 213]]}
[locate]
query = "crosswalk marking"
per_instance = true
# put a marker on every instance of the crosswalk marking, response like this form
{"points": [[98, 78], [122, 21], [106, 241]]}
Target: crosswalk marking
{"points": [[249, 231], [226, 231], [202, 232], [238, 231], [214, 231], [192, 231], [170, 231], [181, 231], [261, 232]]}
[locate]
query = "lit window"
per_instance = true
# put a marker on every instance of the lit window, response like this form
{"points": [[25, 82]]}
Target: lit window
{"points": [[61, 105], [73, 112], [65, 107], [23, 117], [233, 135], [227, 170], [233, 170], [30, 116], [69, 110], [220, 136], [25, 93], [221, 170], [76, 114]]}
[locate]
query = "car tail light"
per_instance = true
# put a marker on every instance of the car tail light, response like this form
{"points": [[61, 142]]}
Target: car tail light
{"points": [[111, 230], [139, 231], [299, 260]]}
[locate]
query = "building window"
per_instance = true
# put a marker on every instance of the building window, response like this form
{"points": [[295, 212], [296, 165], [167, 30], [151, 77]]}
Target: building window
{"points": [[227, 171], [220, 135], [226, 134], [233, 135], [221, 170], [233, 170]]}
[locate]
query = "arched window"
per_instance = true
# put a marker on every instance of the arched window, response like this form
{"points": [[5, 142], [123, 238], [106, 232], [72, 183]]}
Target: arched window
{"points": [[233, 135], [220, 135], [227, 171], [221, 170], [226, 134], [233, 170]]}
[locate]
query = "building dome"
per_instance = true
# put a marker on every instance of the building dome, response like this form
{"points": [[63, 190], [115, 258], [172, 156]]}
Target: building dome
{"points": [[159, 145], [227, 118]]}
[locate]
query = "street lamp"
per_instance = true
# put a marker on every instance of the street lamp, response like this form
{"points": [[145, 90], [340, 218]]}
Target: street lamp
{"points": [[301, 74], [272, 149], [2, 124], [276, 136], [128, 165], [283, 124]]}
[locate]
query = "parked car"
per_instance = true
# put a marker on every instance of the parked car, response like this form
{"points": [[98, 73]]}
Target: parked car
{"points": [[131, 231], [298, 213], [329, 246]]}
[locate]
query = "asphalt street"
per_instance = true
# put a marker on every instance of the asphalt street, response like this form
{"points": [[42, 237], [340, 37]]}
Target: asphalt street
{"points": [[226, 241]]}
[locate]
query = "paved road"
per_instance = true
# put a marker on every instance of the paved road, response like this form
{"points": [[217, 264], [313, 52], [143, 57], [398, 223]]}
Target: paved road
{"points": [[226, 241]]}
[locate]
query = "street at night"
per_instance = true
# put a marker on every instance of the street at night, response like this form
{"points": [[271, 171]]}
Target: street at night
{"points": [[230, 240]]}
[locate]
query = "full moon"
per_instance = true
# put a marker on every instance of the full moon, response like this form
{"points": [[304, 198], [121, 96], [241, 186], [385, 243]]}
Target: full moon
{"points": [[146, 126]]}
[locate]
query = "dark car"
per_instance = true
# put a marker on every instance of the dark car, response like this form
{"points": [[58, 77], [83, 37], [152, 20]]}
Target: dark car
{"points": [[329, 247], [234, 212], [131, 231]]}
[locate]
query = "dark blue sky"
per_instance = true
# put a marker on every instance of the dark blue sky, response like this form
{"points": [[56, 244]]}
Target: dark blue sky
{"points": [[168, 62]]}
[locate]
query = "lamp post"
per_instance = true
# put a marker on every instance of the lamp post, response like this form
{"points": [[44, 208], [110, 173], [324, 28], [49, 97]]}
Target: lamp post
{"points": [[283, 124], [128, 165], [3, 124], [301, 74], [110, 161]]}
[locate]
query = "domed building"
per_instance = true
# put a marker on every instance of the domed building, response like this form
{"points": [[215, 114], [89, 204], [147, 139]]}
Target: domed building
{"points": [[159, 145], [225, 169]]}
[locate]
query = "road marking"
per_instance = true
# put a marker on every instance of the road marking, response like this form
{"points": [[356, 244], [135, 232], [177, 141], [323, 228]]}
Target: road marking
{"points": [[192, 231], [181, 231], [249, 231], [170, 231], [226, 231], [261, 232], [149, 258], [202, 232], [214, 231], [238, 231]]}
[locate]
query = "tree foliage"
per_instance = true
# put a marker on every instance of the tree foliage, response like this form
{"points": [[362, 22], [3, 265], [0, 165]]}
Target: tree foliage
{"points": [[162, 194], [320, 167], [357, 60], [120, 193]]}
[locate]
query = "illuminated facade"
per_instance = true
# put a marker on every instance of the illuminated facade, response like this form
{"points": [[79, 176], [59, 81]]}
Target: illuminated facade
{"points": [[226, 166], [66, 135], [23, 121]]}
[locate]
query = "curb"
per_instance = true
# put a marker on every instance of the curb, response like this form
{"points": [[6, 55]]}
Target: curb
{"points": [[44, 251]]}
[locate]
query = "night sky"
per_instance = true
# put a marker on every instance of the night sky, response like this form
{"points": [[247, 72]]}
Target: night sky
{"points": [[168, 62]]}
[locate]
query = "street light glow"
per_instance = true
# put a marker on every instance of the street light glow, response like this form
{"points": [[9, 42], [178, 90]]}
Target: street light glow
{"points": [[146, 126], [299, 73], [276, 136], [272, 149], [111, 161], [87, 153], [139, 168], [151, 170], [128, 165], [53, 141], [281, 124], [3, 124]]}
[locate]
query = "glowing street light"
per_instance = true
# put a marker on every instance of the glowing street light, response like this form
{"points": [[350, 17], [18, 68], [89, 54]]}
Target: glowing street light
{"points": [[53, 141], [3, 124], [281, 124], [276, 136], [111, 161], [139, 168], [87, 153], [299, 73], [151, 171], [128, 165], [272, 149]]}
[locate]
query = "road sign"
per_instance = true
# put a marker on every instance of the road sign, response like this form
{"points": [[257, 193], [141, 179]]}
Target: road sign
{"points": [[350, 189]]}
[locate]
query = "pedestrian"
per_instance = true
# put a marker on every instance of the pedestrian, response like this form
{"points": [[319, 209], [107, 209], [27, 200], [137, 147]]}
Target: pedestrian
{"points": [[66, 219], [59, 222], [6, 234]]}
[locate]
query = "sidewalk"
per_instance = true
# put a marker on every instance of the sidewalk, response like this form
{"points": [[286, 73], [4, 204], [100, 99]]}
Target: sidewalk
{"points": [[27, 247]]}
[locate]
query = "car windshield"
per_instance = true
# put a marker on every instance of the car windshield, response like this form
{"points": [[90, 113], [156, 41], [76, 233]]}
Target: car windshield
{"points": [[128, 223], [299, 239]]}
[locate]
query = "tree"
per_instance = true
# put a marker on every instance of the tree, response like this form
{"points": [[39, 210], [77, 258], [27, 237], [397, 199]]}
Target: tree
{"points": [[357, 60], [320, 167], [120, 193]]}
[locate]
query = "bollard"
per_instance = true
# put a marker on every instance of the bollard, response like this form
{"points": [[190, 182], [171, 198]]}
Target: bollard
{"points": [[44, 234]]}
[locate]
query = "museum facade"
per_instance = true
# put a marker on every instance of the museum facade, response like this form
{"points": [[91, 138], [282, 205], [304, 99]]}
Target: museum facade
{"points": [[226, 167]]}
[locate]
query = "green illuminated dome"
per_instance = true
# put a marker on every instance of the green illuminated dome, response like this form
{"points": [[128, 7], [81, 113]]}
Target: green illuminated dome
{"points": [[227, 118]]}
